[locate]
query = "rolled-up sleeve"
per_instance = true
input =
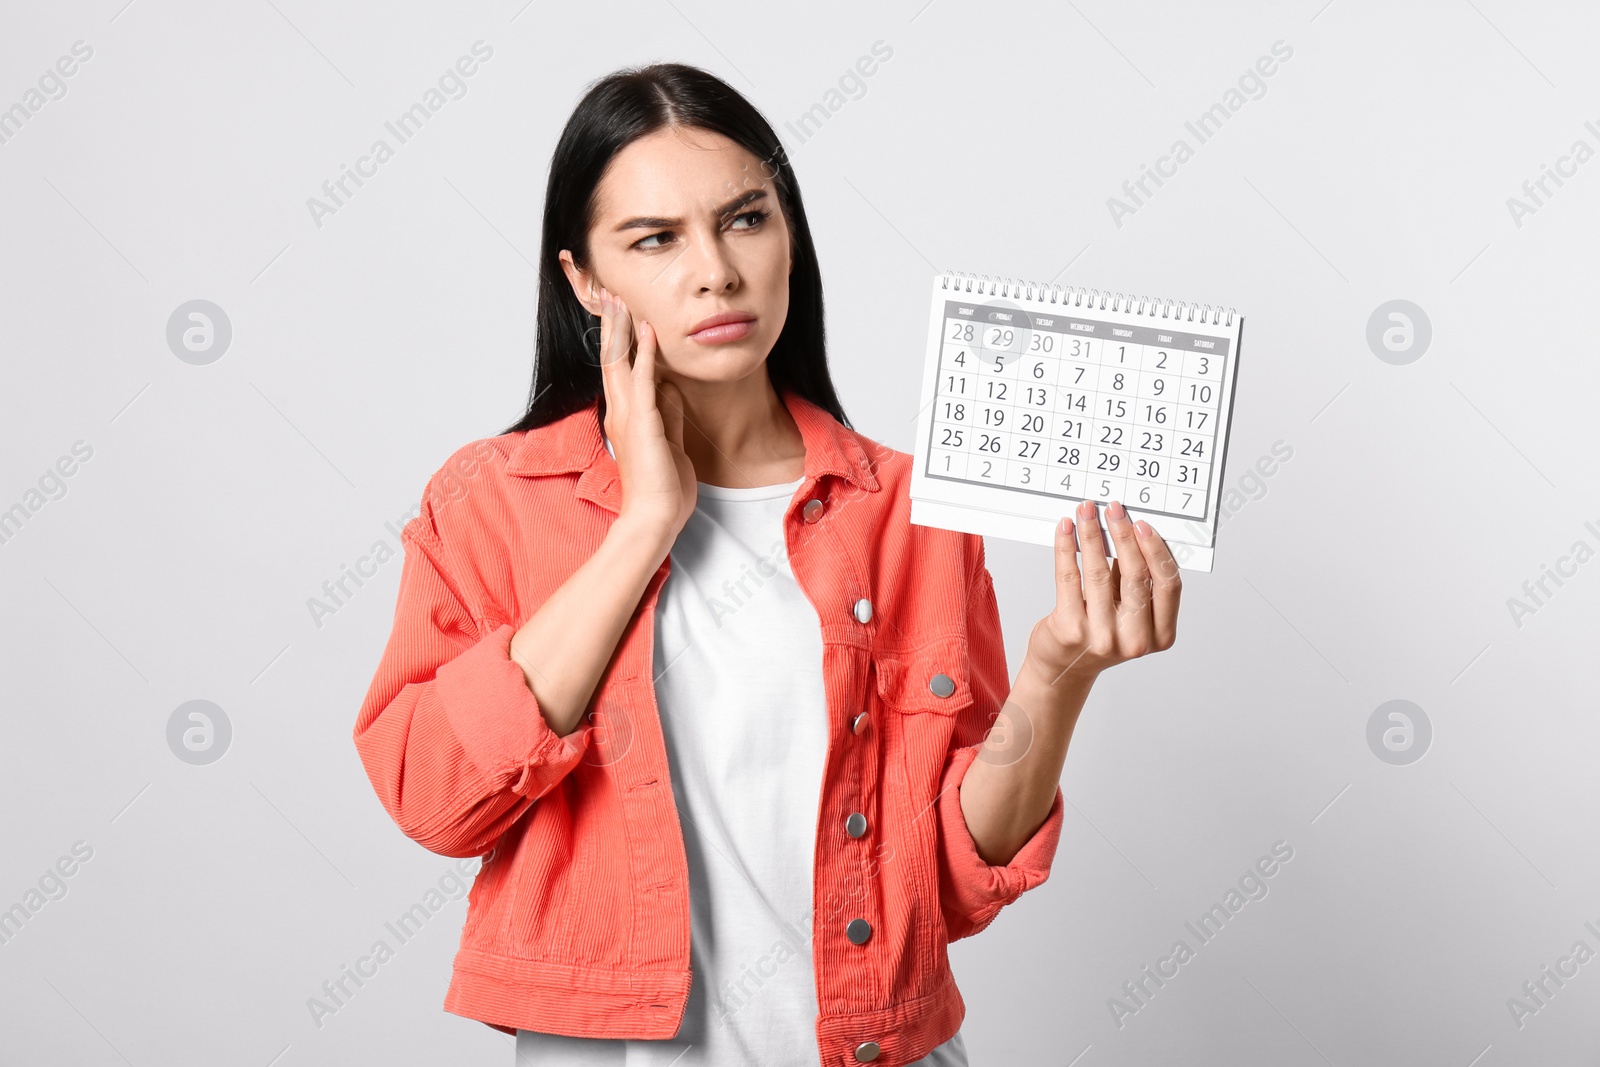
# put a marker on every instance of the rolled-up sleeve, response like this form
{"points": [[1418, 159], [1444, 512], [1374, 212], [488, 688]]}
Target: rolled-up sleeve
{"points": [[450, 735], [971, 890]]}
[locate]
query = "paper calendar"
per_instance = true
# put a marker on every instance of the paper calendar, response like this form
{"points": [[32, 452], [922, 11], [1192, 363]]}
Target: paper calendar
{"points": [[1035, 397]]}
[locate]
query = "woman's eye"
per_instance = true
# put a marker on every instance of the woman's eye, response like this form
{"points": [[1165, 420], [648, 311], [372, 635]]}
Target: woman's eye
{"points": [[758, 217]]}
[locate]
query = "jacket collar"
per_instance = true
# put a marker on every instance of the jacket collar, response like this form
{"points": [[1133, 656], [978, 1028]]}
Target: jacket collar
{"points": [[574, 443]]}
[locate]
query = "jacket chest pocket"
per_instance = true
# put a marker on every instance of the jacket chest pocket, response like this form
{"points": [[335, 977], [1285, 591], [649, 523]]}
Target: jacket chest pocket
{"points": [[921, 693], [932, 679]]}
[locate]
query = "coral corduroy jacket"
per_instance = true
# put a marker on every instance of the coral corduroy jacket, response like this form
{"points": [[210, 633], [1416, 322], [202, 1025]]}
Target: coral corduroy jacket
{"points": [[578, 920]]}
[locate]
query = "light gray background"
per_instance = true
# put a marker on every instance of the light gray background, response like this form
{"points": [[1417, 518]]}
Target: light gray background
{"points": [[1376, 564]]}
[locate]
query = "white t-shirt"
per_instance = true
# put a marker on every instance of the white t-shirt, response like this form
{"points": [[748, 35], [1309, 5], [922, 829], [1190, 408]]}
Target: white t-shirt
{"points": [[738, 681]]}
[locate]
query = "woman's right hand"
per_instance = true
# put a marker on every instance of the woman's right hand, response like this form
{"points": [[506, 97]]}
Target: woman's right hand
{"points": [[646, 433]]}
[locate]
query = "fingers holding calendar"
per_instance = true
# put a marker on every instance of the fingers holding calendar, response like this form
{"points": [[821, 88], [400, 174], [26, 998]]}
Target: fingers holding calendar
{"points": [[1099, 589], [1132, 573], [1069, 580], [1107, 611], [1165, 584]]}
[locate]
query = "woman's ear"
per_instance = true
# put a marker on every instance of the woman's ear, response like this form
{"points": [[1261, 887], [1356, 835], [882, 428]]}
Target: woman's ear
{"points": [[582, 282]]}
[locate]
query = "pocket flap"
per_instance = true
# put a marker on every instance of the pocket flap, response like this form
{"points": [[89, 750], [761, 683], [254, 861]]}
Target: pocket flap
{"points": [[933, 678]]}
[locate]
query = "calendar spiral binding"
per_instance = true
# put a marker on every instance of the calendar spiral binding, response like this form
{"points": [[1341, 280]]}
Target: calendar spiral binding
{"points": [[1075, 296]]}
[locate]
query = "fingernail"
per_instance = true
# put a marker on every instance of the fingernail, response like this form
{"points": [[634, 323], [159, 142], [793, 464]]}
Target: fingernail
{"points": [[1116, 510], [1143, 527]]}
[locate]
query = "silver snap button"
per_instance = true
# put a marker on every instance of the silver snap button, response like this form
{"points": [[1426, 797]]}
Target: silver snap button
{"points": [[863, 611], [858, 931], [942, 685], [812, 511], [859, 723], [856, 824], [867, 1051]]}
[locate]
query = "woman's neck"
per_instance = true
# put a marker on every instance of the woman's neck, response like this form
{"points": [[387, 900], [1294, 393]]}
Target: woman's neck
{"points": [[740, 434]]}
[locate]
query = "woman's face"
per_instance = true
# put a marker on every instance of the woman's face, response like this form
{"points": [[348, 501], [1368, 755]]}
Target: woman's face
{"points": [[688, 226]]}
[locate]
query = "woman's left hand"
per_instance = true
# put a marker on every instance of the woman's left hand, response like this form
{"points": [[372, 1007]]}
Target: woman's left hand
{"points": [[1107, 611]]}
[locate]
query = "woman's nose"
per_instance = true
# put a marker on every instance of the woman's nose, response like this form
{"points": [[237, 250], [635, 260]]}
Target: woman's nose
{"points": [[713, 266]]}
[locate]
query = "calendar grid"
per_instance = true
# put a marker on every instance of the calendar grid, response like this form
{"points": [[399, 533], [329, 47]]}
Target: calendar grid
{"points": [[1071, 407]]}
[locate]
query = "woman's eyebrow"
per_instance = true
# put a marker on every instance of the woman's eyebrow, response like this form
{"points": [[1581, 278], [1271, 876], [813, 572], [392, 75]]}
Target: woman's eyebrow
{"points": [[653, 222]]}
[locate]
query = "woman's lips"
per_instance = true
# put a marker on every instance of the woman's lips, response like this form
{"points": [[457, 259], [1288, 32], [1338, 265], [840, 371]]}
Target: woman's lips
{"points": [[728, 331]]}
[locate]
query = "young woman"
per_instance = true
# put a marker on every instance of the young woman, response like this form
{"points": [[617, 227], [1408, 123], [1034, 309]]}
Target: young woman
{"points": [[671, 658]]}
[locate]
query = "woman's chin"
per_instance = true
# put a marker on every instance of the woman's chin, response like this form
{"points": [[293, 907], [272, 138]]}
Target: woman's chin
{"points": [[722, 364]]}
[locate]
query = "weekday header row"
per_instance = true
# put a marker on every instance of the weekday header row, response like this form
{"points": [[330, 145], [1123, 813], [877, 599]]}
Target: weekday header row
{"points": [[1074, 326]]}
